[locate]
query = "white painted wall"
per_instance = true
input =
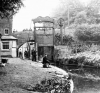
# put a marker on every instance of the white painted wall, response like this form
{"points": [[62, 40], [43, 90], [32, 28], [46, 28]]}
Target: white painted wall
{"points": [[14, 48]]}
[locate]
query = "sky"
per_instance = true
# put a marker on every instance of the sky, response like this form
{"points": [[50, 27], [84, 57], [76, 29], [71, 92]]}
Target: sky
{"points": [[35, 8]]}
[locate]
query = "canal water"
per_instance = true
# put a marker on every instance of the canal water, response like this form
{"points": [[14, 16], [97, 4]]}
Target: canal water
{"points": [[86, 80]]}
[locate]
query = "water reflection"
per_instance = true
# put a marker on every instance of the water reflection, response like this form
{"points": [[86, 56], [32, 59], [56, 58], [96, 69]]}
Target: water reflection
{"points": [[85, 80]]}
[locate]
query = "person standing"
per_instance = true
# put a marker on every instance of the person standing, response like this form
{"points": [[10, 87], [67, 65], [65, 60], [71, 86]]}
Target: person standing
{"points": [[26, 54], [20, 54], [33, 55], [46, 62]]}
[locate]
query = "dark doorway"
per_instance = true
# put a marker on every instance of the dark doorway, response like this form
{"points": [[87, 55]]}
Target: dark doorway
{"points": [[46, 50]]}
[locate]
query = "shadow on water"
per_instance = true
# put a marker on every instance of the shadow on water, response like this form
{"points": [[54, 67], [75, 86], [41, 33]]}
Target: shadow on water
{"points": [[86, 80]]}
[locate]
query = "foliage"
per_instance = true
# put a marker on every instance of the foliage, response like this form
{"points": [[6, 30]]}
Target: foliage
{"points": [[67, 39], [80, 14], [57, 39], [86, 59], [88, 33], [86, 21], [80, 18], [9, 7], [23, 36], [89, 55], [53, 85], [89, 15]]}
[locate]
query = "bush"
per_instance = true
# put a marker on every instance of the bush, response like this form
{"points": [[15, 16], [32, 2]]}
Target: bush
{"points": [[55, 85], [67, 39], [85, 59], [87, 32]]}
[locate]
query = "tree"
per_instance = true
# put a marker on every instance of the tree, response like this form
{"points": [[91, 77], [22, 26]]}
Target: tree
{"points": [[70, 8], [57, 39], [9, 7], [67, 39], [80, 18], [80, 14], [88, 33]]}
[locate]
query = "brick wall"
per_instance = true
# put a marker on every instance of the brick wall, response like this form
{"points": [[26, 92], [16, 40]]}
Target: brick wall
{"points": [[5, 23]]}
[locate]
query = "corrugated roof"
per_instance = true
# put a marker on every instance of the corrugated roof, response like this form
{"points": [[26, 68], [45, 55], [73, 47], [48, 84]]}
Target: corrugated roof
{"points": [[9, 37]]}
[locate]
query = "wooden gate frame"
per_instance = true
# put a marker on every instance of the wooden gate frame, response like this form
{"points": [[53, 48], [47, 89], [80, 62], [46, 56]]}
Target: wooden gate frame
{"points": [[42, 20]]}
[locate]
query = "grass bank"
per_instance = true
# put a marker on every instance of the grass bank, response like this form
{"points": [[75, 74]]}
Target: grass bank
{"points": [[82, 59], [25, 76]]}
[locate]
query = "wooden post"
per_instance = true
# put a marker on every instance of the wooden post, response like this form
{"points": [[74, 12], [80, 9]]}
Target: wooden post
{"points": [[61, 35], [0, 50], [35, 43], [53, 36], [54, 44], [61, 23]]}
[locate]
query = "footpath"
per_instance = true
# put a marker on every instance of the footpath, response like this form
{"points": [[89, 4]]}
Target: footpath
{"points": [[20, 76]]}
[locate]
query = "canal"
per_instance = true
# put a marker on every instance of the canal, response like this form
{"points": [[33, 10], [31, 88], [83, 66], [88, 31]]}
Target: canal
{"points": [[86, 80]]}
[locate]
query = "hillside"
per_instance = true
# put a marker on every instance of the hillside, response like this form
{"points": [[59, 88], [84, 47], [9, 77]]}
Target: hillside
{"points": [[23, 36]]}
